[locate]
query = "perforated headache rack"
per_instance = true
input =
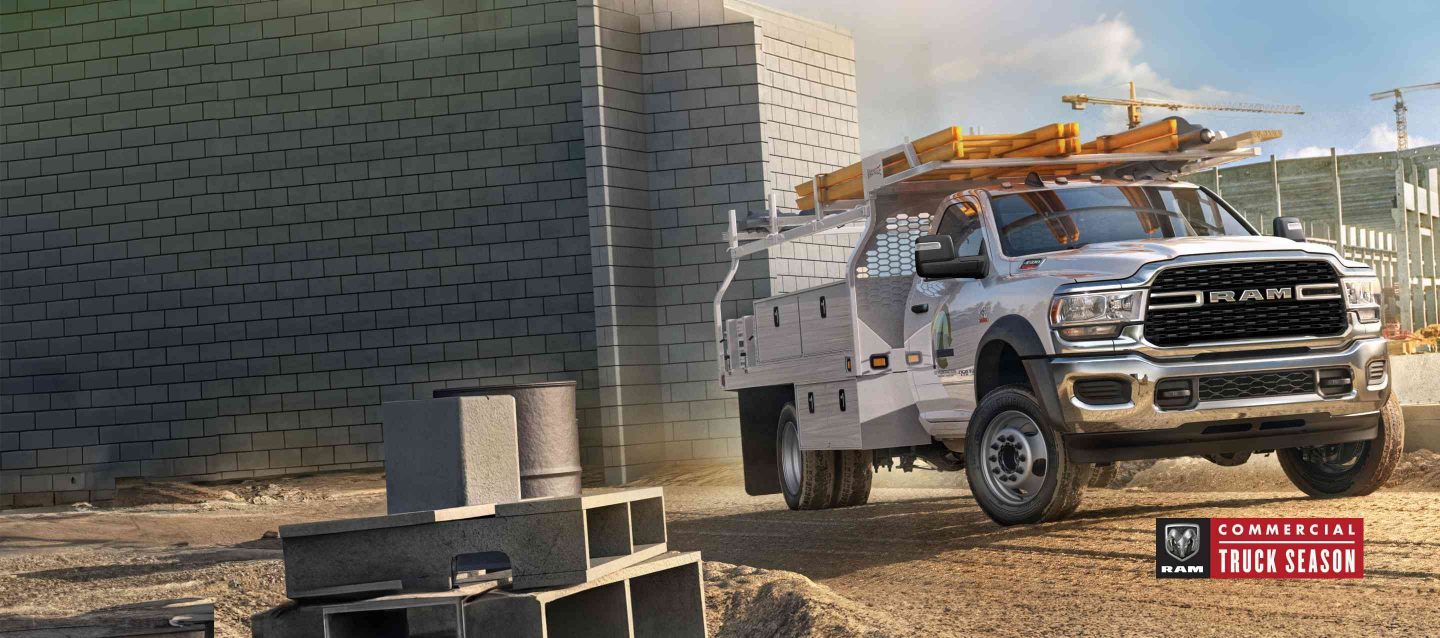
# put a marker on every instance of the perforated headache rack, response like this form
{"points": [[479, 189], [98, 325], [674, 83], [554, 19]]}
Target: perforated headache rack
{"points": [[950, 159]]}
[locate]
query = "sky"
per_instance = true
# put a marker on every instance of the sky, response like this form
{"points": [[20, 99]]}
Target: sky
{"points": [[922, 65]]}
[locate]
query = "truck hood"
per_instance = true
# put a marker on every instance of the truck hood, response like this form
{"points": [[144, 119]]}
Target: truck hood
{"points": [[1118, 260]]}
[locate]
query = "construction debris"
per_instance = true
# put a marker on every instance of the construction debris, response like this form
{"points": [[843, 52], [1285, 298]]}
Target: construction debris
{"points": [[561, 565]]}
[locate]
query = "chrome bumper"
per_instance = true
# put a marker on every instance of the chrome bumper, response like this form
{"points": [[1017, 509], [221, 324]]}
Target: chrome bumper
{"points": [[1141, 413]]}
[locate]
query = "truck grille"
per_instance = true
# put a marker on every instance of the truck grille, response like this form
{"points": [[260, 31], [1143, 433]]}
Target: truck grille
{"points": [[1244, 319], [1249, 386]]}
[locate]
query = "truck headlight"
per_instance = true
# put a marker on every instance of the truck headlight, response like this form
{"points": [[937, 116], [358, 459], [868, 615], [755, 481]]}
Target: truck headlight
{"points": [[1362, 294], [1095, 315]]}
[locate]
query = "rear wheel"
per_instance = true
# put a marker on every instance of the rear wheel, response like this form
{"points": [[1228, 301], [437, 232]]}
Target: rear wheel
{"points": [[854, 473], [1018, 469], [1349, 469], [807, 477]]}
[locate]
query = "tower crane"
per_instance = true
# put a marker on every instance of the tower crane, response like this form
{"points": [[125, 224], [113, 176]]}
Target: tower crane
{"points": [[1133, 104], [1402, 137]]}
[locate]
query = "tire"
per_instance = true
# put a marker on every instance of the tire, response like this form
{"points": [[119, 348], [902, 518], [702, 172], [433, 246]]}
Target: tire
{"points": [[807, 477], [1349, 469], [1007, 428], [1101, 475], [852, 478]]}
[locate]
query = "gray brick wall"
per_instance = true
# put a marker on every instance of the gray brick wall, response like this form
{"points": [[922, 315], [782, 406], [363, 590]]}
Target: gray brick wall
{"points": [[690, 102], [230, 230]]}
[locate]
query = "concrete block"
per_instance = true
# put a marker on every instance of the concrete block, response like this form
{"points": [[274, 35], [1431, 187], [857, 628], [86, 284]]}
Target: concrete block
{"points": [[422, 614], [663, 596], [549, 542], [1413, 377], [1422, 427], [450, 452]]}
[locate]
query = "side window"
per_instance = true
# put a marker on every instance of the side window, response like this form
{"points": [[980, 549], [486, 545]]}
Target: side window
{"points": [[961, 221]]}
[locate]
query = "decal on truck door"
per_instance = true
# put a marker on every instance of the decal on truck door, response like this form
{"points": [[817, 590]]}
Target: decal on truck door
{"points": [[940, 337]]}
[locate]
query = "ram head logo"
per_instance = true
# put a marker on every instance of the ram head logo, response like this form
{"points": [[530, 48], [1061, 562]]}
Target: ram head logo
{"points": [[1182, 540]]}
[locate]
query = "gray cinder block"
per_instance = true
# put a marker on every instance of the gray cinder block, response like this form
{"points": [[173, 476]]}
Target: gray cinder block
{"points": [[549, 542], [661, 597], [451, 452], [422, 614]]}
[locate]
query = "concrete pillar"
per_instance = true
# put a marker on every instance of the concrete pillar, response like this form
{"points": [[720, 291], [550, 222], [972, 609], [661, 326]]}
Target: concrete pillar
{"points": [[1275, 184], [1402, 251], [1339, 204], [1432, 181], [1422, 316]]}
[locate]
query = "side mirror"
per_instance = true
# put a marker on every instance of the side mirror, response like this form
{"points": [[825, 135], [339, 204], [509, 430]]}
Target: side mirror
{"points": [[935, 259], [1289, 228]]}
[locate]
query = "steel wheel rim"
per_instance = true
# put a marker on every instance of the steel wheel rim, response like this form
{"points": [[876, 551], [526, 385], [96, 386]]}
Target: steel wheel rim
{"points": [[1016, 459], [790, 457], [1335, 460]]}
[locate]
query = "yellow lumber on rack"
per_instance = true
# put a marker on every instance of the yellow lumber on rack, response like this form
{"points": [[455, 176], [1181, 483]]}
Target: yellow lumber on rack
{"points": [[946, 144], [855, 188], [938, 139], [1049, 141]]}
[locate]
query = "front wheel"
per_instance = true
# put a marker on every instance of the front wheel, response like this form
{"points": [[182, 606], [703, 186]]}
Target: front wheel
{"points": [[1349, 469], [1017, 466]]}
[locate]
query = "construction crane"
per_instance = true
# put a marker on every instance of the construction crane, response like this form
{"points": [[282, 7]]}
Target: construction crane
{"points": [[1402, 137], [1133, 104]]}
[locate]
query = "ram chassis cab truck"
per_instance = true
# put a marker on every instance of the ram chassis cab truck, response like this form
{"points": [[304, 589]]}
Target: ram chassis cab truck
{"points": [[1029, 332]]}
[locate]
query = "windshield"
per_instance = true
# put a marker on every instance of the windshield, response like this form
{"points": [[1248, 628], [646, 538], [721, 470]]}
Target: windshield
{"points": [[1051, 220]]}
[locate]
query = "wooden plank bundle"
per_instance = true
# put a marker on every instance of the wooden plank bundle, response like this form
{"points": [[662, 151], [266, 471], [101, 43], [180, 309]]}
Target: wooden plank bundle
{"points": [[1052, 140]]}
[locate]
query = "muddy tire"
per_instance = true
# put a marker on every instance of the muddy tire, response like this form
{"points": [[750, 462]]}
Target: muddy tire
{"points": [[1018, 468], [1101, 475], [1349, 469], [853, 474], [807, 477]]}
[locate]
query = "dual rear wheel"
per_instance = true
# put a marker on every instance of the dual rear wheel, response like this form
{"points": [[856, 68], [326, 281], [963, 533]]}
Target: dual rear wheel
{"points": [[819, 479]]}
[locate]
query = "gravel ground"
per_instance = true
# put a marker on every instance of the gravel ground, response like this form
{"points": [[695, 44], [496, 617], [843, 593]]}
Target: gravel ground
{"points": [[916, 560]]}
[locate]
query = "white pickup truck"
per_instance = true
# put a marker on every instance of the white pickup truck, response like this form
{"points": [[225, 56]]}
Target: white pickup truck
{"points": [[1027, 330]]}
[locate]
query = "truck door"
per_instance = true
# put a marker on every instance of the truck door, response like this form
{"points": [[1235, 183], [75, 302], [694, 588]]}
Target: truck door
{"points": [[944, 323]]}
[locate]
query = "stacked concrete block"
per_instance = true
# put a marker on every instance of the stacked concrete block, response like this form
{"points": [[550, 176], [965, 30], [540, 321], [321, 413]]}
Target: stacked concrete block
{"points": [[549, 542], [553, 560], [662, 597], [581, 565]]}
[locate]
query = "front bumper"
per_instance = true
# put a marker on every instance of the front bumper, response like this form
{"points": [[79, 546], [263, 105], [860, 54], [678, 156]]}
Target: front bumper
{"points": [[1141, 412]]}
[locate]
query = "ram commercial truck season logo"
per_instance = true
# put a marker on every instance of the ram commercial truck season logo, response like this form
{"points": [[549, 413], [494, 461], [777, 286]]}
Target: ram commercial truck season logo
{"points": [[1259, 547]]}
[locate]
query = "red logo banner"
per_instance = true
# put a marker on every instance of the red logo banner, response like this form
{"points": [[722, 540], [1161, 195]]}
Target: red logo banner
{"points": [[1287, 548]]}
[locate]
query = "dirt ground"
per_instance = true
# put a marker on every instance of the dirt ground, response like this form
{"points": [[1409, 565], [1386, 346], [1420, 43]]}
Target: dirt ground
{"points": [[921, 558]]}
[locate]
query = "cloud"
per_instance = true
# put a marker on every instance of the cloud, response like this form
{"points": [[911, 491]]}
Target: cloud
{"points": [[1380, 138], [1100, 54]]}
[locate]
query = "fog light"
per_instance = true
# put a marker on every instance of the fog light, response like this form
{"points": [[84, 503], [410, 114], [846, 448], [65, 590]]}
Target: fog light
{"points": [[1334, 381], [879, 361], [1175, 393], [1368, 315]]}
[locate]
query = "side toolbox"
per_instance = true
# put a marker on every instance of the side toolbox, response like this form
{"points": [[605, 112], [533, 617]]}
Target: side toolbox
{"points": [[777, 329], [825, 319], [829, 415]]}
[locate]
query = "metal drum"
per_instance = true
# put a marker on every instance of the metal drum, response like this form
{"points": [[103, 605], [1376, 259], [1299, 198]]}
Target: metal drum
{"points": [[548, 435]]}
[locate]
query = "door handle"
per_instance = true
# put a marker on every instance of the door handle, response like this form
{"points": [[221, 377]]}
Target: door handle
{"points": [[920, 308], [945, 352]]}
